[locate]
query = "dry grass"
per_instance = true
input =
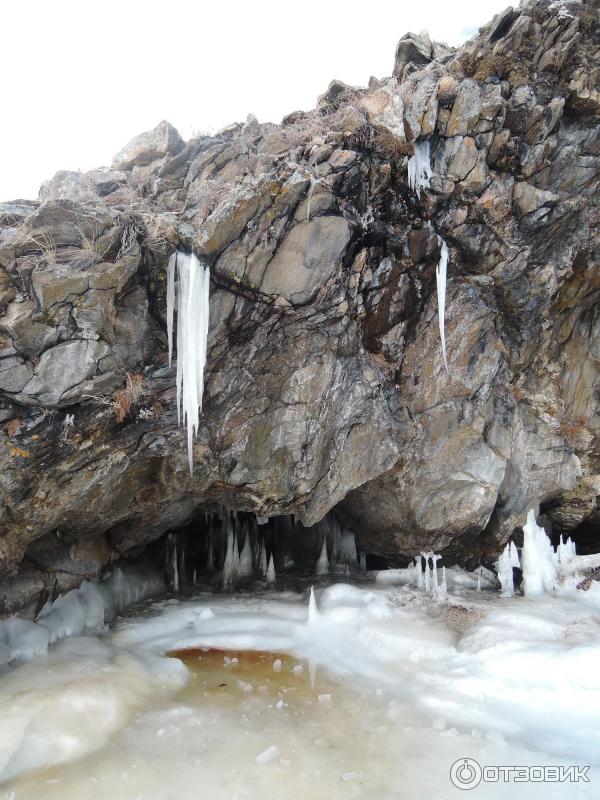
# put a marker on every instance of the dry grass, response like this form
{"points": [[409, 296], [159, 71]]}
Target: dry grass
{"points": [[575, 433], [13, 426], [125, 400]]}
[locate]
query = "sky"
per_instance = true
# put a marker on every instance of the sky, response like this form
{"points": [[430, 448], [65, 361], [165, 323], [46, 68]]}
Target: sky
{"points": [[80, 79]]}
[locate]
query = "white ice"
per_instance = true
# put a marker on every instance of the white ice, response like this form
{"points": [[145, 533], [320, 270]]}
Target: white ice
{"points": [[419, 167], [407, 683], [440, 277], [508, 559], [193, 282]]}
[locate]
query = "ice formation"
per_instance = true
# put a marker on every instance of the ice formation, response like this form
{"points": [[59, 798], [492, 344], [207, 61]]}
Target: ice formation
{"points": [[539, 568], [313, 611], [231, 565], [508, 559], [271, 577], [246, 558], [419, 167], [322, 566], [546, 570], [193, 282], [440, 277], [83, 610], [346, 550]]}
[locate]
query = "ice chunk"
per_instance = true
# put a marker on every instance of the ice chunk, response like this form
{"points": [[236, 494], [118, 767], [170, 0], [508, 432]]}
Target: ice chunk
{"points": [[268, 755]]}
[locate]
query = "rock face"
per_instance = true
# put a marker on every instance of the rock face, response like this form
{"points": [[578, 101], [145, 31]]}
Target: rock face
{"points": [[325, 383]]}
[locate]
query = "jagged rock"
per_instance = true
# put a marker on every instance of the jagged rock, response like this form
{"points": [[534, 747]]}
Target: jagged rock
{"points": [[325, 382], [142, 150]]}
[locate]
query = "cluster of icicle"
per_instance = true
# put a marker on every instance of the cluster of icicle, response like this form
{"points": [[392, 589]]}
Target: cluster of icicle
{"points": [[419, 174], [545, 570], [240, 564], [193, 281], [342, 546], [83, 610], [419, 167], [427, 578]]}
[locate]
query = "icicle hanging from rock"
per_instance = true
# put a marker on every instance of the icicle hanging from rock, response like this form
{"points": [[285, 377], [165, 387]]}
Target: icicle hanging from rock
{"points": [[440, 277], [419, 167], [193, 281]]}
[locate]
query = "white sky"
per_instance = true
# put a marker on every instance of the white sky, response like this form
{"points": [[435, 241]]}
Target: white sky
{"points": [[79, 79]]}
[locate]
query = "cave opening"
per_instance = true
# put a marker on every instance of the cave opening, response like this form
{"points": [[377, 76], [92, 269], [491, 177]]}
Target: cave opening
{"points": [[229, 549]]}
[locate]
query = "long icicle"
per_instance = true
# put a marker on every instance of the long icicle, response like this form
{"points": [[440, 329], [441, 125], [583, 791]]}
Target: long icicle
{"points": [[193, 286], [440, 276]]}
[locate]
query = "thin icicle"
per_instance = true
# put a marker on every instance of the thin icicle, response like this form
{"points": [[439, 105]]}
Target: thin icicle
{"points": [[440, 277], [263, 560], [192, 330], [419, 167]]}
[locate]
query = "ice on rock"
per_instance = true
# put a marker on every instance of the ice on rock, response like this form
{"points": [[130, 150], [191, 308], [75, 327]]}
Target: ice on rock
{"points": [[440, 277], [322, 567], [82, 610], [419, 167], [193, 284]]}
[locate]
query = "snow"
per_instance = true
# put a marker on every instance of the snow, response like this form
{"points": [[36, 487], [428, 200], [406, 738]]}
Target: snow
{"points": [[419, 167], [440, 278], [192, 331]]}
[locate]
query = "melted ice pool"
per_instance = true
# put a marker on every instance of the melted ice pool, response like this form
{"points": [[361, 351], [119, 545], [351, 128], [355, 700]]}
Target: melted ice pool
{"points": [[376, 695]]}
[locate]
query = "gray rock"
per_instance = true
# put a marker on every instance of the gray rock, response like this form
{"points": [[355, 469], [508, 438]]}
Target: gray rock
{"points": [[63, 367], [306, 259], [142, 150]]}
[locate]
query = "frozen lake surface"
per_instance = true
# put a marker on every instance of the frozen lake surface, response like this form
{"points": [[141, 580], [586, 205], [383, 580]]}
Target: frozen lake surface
{"points": [[375, 692]]}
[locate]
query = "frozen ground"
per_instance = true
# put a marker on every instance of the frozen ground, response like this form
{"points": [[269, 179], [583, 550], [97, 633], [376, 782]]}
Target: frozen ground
{"points": [[375, 695]]}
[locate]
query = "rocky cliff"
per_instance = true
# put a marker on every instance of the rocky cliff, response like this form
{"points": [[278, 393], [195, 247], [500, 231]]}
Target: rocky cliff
{"points": [[325, 382]]}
